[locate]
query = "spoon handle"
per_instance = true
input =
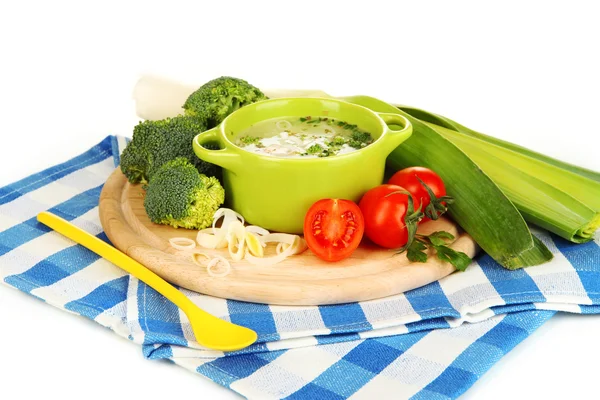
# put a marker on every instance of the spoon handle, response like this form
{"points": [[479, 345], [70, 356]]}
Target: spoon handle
{"points": [[128, 264]]}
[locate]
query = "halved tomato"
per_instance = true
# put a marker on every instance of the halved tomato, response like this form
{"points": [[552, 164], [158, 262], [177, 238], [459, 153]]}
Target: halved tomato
{"points": [[333, 228]]}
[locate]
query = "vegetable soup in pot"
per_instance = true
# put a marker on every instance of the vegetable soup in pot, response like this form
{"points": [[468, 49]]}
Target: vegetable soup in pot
{"points": [[306, 137]]}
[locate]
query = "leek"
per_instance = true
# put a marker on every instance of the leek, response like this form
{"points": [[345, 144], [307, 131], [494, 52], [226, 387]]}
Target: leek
{"points": [[450, 124], [480, 206], [557, 196]]}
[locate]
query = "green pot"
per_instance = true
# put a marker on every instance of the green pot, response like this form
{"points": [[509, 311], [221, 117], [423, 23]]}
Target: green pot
{"points": [[276, 193]]}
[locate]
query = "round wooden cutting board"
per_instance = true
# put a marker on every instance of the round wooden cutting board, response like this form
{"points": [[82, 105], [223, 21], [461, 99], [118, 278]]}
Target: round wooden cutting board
{"points": [[370, 273]]}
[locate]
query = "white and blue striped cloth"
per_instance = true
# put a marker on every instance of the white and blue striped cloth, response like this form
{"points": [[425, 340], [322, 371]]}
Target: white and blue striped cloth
{"points": [[393, 348]]}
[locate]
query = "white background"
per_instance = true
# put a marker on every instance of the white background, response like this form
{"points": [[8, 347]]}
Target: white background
{"points": [[527, 72]]}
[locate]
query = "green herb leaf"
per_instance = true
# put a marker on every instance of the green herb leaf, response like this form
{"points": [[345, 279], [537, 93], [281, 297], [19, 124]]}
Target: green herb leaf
{"points": [[416, 252], [459, 259], [439, 238]]}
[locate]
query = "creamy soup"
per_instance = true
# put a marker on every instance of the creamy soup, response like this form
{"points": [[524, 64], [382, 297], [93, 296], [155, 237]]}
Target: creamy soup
{"points": [[306, 137]]}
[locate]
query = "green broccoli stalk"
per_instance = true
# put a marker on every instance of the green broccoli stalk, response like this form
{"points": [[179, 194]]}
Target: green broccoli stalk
{"points": [[178, 195], [218, 98], [157, 142]]}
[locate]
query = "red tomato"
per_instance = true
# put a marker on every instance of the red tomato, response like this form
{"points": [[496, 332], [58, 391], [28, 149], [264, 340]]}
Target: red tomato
{"points": [[384, 209], [333, 228], [407, 178]]}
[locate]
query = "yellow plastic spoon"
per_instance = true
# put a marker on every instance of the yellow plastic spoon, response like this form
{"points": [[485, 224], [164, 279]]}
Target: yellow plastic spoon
{"points": [[210, 331]]}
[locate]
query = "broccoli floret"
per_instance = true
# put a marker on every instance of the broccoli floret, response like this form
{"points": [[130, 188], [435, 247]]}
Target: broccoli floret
{"points": [[134, 163], [359, 139], [157, 142], [338, 141], [178, 195], [336, 144], [360, 136], [218, 98], [248, 140], [315, 149]]}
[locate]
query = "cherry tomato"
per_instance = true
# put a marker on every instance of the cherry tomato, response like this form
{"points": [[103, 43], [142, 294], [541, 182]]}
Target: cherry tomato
{"points": [[333, 228], [384, 209], [407, 178]]}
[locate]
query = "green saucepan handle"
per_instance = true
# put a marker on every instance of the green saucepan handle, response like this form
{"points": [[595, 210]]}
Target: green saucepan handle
{"points": [[394, 137], [224, 157]]}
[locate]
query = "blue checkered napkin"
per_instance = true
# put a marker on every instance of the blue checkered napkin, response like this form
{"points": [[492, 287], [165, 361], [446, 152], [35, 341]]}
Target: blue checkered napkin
{"points": [[46, 265], [569, 283], [438, 364]]}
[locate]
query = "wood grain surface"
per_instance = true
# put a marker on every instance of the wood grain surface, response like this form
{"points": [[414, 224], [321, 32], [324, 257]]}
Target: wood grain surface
{"points": [[370, 273]]}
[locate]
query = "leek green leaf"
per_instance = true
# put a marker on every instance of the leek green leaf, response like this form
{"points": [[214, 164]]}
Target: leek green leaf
{"points": [[480, 206]]}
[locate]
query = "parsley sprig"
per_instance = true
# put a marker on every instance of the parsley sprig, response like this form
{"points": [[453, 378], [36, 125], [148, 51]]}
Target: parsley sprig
{"points": [[417, 245], [416, 252]]}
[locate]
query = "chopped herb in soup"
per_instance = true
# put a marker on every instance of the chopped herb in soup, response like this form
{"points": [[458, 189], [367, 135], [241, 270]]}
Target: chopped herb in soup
{"points": [[303, 137]]}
